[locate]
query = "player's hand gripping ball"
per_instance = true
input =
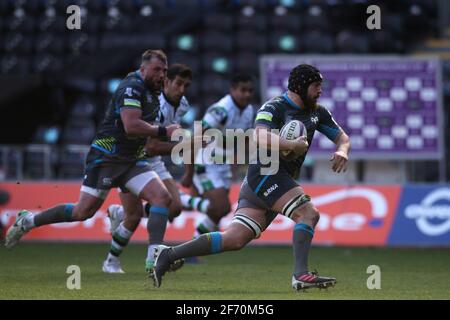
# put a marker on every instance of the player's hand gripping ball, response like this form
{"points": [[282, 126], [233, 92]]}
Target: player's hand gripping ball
{"points": [[291, 131]]}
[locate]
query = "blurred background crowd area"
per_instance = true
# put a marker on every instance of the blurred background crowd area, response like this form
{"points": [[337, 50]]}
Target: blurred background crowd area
{"points": [[56, 83]]}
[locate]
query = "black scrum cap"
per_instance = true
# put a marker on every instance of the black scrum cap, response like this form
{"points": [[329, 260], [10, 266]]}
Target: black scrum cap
{"points": [[301, 77]]}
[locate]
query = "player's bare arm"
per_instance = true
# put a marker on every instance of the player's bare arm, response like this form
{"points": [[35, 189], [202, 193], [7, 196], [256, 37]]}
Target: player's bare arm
{"points": [[135, 126], [340, 157], [155, 147]]}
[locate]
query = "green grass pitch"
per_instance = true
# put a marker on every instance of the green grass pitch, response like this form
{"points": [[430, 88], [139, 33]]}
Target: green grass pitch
{"points": [[38, 271]]}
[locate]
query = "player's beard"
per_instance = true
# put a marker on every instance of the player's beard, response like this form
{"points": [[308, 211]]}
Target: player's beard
{"points": [[154, 86], [311, 103]]}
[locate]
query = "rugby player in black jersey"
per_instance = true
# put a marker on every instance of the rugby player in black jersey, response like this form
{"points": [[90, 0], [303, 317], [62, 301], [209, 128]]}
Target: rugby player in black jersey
{"points": [[117, 158], [262, 197]]}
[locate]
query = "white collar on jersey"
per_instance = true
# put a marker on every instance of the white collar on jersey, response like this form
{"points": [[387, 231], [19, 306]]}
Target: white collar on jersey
{"points": [[229, 97], [163, 98]]}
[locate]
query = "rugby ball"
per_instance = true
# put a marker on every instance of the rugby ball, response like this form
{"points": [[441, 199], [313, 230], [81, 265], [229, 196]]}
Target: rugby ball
{"points": [[292, 130]]}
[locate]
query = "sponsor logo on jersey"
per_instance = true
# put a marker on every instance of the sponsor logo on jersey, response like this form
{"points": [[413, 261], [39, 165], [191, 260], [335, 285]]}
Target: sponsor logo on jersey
{"points": [[270, 190], [129, 91], [107, 182]]}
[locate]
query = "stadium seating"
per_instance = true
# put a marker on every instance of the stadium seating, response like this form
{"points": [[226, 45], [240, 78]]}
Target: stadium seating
{"points": [[255, 22], [284, 42], [269, 26], [216, 41], [246, 62], [188, 43], [217, 63], [289, 23], [213, 84], [218, 22], [322, 174], [39, 162], [214, 37], [71, 161], [83, 109], [384, 172], [78, 131], [189, 58]]}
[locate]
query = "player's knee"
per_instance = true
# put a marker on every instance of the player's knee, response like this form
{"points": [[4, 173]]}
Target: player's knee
{"points": [[234, 239], [308, 214], [315, 216], [237, 243], [175, 209], [163, 199], [134, 217], [82, 212], [219, 208], [166, 199], [311, 215]]}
